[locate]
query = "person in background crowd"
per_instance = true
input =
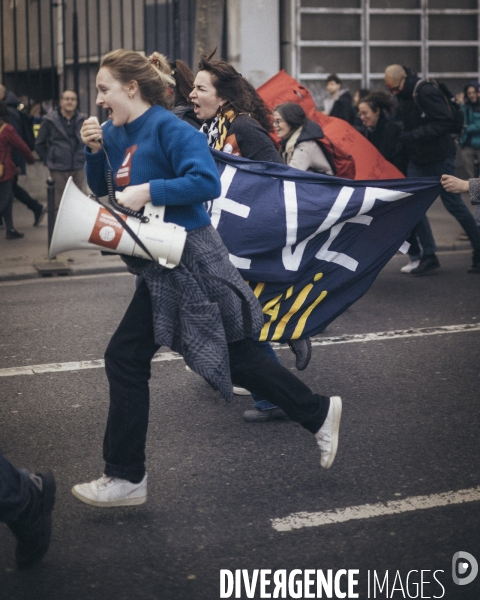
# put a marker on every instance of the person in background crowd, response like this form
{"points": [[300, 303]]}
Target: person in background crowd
{"points": [[59, 144], [428, 121], [340, 103], [9, 141], [357, 96], [26, 504], [375, 112], [470, 140], [460, 186], [378, 126], [20, 193], [298, 139], [173, 166], [184, 81], [237, 121]]}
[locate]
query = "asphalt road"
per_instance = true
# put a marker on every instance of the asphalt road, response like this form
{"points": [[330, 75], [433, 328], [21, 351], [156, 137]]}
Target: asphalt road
{"points": [[217, 484]]}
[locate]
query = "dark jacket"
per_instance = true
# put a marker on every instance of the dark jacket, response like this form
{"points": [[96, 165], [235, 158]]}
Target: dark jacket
{"points": [[186, 113], [386, 137], [53, 144], [343, 107], [427, 121], [250, 140]]}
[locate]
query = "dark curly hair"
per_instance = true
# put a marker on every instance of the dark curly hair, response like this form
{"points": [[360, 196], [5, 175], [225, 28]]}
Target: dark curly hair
{"points": [[240, 95], [379, 100]]}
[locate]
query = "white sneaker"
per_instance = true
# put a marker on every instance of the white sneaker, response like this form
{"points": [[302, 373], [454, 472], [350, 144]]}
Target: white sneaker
{"points": [[413, 264], [238, 391], [111, 491], [327, 435]]}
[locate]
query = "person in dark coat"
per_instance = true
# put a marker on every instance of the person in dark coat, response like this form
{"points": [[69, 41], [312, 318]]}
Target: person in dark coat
{"points": [[60, 147], [340, 103], [375, 112], [428, 123]]}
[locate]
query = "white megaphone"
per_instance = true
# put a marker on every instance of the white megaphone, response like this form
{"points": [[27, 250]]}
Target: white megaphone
{"points": [[83, 223]]}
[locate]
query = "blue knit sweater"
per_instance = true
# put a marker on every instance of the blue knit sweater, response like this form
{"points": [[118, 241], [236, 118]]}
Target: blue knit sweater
{"points": [[170, 154]]}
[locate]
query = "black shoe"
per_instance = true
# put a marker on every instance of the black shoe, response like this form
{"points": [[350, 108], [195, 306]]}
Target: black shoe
{"points": [[303, 352], [428, 263], [475, 268], [13, 234], [33, 527], [39, 214], [262, 416]]}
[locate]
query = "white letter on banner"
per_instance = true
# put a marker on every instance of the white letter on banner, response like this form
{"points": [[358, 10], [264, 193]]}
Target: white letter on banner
{"points": [[235, 208], [226, 583], [292, 258], [337, 257], [371, 194]]}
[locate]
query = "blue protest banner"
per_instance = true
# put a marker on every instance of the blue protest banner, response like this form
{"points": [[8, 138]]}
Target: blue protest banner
{"points": [[310, 245]]}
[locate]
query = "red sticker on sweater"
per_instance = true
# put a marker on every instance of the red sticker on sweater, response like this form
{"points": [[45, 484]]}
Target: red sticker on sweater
{"points": [[123, 173], [106, 231]]}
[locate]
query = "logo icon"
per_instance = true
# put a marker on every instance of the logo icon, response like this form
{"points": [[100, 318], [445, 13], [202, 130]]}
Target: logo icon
{"points": [[464, 568]]}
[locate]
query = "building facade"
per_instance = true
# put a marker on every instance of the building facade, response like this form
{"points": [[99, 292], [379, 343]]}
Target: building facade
{"points": [[47, 46]]}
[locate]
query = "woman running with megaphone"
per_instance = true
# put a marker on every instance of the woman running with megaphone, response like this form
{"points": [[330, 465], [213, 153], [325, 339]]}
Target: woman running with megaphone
{"points": [[202, 308]]}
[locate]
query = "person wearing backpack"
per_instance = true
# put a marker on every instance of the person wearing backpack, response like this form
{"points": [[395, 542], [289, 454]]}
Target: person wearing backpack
{"points": [[299, 139], [429, 118]]}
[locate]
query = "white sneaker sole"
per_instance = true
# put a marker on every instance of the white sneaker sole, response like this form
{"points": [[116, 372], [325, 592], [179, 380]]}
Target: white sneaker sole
{"points": [[110, 503], [239, 391], [336, 406]]}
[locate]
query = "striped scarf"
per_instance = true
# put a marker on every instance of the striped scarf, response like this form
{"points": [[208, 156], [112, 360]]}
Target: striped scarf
{"points": [[217, 129]]}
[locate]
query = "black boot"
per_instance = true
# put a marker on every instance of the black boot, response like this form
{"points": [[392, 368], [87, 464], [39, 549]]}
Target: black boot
{"points": [[303, 352], [475, 268], [33, 527], [428, 263]]}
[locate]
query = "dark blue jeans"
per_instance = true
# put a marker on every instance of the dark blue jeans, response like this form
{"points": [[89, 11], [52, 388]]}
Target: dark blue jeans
{"points": [[127, 364], [14, 490], [452, 202]]}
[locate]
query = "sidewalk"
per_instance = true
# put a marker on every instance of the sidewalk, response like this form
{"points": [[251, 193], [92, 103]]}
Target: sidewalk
{"points": [[18, 257]]}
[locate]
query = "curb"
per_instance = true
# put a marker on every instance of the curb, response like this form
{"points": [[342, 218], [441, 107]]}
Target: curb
{"points": [[30, 272]]}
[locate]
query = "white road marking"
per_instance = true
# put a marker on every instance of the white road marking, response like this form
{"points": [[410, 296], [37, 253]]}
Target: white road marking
{"points": [[367, 511], [328, 341]]}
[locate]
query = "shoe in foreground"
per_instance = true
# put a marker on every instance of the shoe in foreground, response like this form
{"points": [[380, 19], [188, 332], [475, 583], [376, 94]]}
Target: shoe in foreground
{"points": [[13, 234], [33, 527], [262, 416], [427, 264], [408, 268], [239, 391], [111, 491], [39, 214], [475, 268], [327, 435], [303, 352]]}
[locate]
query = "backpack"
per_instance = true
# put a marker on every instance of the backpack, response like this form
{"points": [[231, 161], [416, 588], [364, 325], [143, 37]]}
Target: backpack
{"points": [[452, 105], [343, 165], [26, 129]]}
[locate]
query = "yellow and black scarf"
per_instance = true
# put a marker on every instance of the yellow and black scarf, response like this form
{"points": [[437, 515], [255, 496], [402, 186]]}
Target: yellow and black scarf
{"points": [[217, 129]]}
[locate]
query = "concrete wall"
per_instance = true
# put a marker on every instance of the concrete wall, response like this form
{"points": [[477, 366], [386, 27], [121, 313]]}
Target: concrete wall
{"points": [[254, 38]]}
